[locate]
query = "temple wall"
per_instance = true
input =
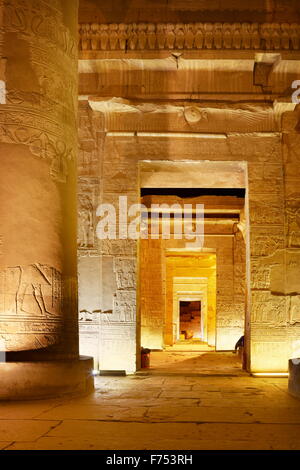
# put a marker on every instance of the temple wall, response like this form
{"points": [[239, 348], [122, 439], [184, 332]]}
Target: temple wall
{"points": [[107, 291], [291, 160], [219, 90], [274, 294]]}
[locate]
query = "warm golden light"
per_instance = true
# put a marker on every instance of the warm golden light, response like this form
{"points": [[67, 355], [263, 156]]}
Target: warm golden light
{"points": [[270, 374]]}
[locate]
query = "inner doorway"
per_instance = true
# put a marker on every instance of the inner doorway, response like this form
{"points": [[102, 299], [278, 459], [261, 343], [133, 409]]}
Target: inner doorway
{"points": [[190, 320]]}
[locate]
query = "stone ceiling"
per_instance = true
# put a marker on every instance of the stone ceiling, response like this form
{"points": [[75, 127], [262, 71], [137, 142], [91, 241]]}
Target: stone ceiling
{"points": [[119, 11]]}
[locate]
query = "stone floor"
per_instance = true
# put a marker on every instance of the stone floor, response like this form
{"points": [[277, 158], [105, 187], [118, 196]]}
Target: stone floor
{"points": [[190, 345], [202, 363], [163, 409]]}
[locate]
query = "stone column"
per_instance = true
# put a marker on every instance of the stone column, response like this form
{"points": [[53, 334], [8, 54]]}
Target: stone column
{"points": [[38, 147]]}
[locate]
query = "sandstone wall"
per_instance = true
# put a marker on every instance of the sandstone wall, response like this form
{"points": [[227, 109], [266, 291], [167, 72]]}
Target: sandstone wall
{"points": [[273, 227]]}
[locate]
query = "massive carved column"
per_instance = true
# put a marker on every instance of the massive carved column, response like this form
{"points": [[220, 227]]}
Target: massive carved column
{"points": [[38, 146]]}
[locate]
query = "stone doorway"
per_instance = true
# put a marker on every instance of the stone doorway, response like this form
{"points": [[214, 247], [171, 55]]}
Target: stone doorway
{"points": [[173, 275], [190, 320]]}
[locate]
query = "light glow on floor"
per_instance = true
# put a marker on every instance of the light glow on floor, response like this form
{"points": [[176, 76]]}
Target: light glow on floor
{"points": [[270, 374]]}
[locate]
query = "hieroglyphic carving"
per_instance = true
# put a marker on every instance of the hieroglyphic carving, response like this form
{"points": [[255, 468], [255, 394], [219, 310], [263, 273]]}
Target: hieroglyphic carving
{"points": [[239, 279], [264, 242], [293, 223], [118, 247], [124, 306], [264, 210], [269, 309], [260, 275], [43, 119], [142, 36], [125, 269]]}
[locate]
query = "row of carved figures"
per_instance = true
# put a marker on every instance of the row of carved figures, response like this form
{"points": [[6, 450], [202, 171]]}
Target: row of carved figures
{"points": [[141, 36]]}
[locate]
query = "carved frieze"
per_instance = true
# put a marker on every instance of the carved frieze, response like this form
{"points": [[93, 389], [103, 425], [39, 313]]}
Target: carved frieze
{"points": [[162, 36]]}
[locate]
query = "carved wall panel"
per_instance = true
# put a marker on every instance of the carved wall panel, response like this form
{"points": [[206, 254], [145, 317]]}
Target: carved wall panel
{"points": [[265, 241], [125, 269], [269, 309], [266, 209], [293, 223], [30, 306], [294, 313], [269, 353]]}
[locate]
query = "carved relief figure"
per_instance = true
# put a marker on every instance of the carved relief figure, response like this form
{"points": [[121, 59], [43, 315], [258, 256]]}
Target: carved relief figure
{"points": [[125, 269], [260, 276], [268, 309], [85, 225], [293, 222], [30, 290], [295, 309], [265, 245]]}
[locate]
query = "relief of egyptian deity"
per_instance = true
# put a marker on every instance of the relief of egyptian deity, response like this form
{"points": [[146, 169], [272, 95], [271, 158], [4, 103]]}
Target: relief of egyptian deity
{"points": [[293, 223], [268, 309], [264, 244], [86, 234], [124, 306], [260, 278], [295, 309], [33, 290], [125, 269], [265, 212]]}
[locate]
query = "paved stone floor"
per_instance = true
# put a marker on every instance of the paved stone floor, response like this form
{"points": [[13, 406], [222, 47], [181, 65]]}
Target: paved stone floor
{"points": [[195, 363], [161, 409]]}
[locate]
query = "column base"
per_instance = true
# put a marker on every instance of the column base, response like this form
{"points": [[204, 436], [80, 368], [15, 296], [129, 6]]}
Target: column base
{"points": [[37, 380], [294, 377]]}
